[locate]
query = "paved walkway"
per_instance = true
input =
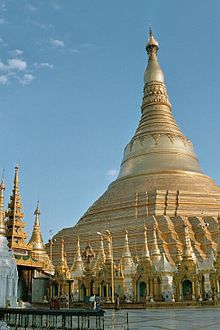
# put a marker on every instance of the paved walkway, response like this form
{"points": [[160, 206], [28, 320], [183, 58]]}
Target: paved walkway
{"points": [[164, 319]]}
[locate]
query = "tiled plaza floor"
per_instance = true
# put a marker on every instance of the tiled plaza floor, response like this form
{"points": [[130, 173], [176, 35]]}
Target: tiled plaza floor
{"points": [[164, 319]]}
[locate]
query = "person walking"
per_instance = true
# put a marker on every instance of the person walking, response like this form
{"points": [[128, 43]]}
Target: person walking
{"points": [[67, 301], [117, 302]]}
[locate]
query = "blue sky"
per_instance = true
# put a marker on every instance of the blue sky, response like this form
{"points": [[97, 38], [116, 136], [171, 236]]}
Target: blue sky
{"points": [[71, 81]]}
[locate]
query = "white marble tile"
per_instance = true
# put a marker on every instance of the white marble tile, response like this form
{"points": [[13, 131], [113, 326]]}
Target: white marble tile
{"points": [[164, 319]]}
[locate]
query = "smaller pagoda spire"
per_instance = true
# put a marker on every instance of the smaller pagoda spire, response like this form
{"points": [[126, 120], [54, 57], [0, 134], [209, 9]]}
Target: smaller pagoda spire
{"points": [[88, 255], [178, 258], [145, 253], [36, 238], [62, 258], [127, 263], [15, 204], [62, 270], [102, 250], [164, 266], [109, 250], [155, 251], [14, 219], [16, 181], [188, 250], [78, 256], [77, 267], [2, 223], [126, 251], [101, 254]]}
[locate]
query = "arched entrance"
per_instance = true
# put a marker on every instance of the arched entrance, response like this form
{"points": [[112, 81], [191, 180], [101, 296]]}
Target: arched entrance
{"points": [[104, 291], [83, 292], [141, 291], [91, 288], [187, 290]]}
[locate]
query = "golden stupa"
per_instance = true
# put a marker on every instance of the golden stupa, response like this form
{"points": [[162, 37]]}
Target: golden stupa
{"points": [[160, 187]]}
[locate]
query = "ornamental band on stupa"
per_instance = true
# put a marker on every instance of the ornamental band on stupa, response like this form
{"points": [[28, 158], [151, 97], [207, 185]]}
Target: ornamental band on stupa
{"points": [[161, 211]]}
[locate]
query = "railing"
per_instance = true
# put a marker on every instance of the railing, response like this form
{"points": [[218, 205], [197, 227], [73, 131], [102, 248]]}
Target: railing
{"points": [[52, 319], [116, 321]]}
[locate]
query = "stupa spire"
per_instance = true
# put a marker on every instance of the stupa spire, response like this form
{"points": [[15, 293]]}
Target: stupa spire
{"points": [[88, 255], [15, 203], [62, 270], [77, 267], [109, 250], [102, 250], [36, 239], [127, 263], [78, 251], [2, 223], [62, 258], [188, 250], [158, 139], [145, 254], [14, 218], [155, 251], [101, 255]]}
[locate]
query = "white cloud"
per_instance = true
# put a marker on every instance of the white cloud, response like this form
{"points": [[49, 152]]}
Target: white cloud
{"points": [[57, 43], [16, 52], [16, 64], [3, 80], [13, 64], [26, 79], [112, 172], [43, 65], [15, 69]]}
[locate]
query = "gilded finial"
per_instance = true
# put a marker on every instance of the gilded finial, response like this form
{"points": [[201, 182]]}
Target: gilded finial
{"points": [[16, 176], [152, 42], [153, 71], [37, 211]]}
